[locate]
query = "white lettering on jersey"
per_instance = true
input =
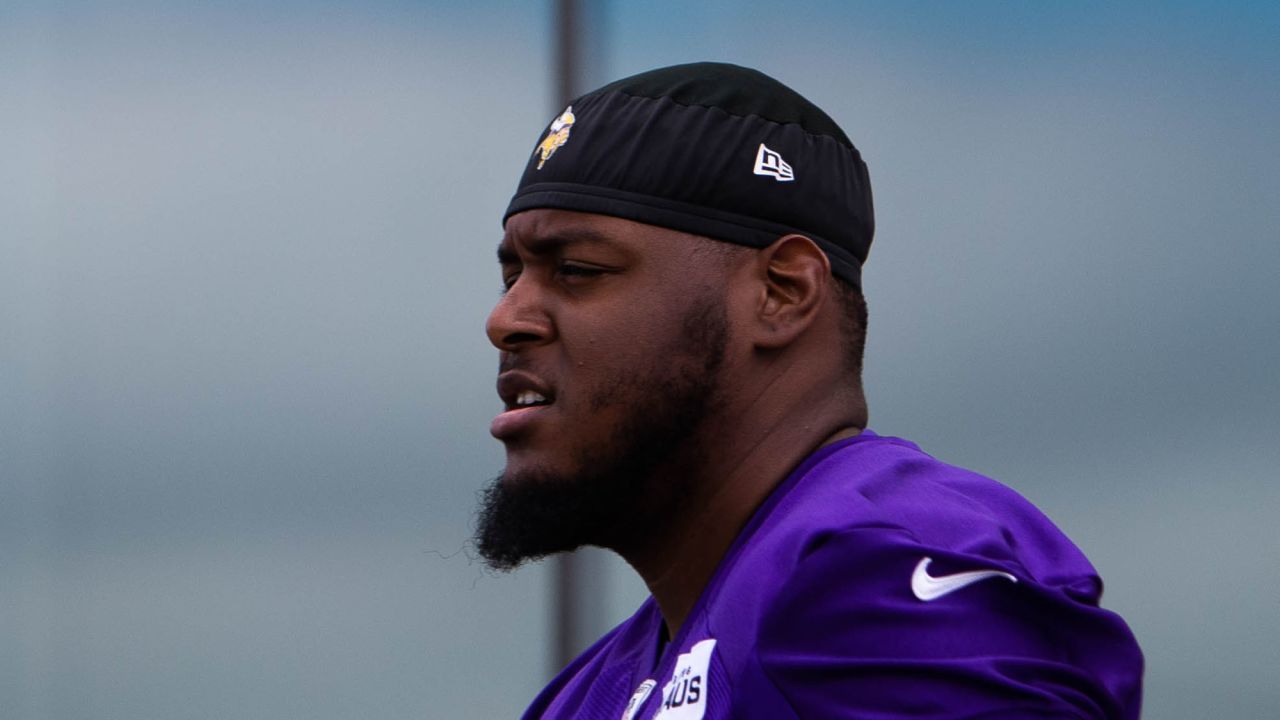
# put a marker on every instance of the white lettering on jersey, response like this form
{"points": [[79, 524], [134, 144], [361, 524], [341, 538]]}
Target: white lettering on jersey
{"points": [[685, 696], [637, 699]]}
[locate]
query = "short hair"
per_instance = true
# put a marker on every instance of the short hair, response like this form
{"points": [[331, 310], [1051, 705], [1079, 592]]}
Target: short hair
{"points": [[853, 326]]}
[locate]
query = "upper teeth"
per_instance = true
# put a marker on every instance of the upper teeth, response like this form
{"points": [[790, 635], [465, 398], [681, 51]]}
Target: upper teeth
{"points": [[529, 397]]}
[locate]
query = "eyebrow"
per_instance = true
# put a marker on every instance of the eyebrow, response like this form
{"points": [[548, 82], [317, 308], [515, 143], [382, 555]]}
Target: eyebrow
{"points": [[551, 243], [507, 256]]}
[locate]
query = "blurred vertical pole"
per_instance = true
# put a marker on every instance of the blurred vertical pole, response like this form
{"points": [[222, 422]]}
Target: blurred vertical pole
{"points": [[567, 572], [568, 48], [578, 578]]}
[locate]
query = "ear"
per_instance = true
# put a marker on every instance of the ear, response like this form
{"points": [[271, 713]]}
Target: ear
{"points": [[794, 276]]}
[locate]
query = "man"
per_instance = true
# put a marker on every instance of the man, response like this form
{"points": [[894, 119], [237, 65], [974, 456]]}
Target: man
{"points": [[680, 342]]}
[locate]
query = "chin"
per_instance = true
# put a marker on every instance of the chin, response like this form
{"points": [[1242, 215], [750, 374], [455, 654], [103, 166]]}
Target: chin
{"points": [[529, 468], [529, 513]]}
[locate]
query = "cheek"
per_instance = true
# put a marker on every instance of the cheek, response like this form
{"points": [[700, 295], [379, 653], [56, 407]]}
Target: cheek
{"points": [[617, 338], [607, 375]]}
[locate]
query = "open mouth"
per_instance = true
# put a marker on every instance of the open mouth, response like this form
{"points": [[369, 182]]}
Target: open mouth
{"points": [[522, 397], [520, 390], [528, 398]]}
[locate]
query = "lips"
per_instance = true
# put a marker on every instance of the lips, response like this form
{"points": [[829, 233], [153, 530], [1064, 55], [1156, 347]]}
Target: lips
{"points": [[518, 388], [525, 397]]}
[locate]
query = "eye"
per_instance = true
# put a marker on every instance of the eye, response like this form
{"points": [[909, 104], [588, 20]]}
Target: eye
{"points": [[509, 280], [575, 271]]}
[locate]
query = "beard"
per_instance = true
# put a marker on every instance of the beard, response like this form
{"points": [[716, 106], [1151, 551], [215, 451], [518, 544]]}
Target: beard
{"points": [[619, 491]]}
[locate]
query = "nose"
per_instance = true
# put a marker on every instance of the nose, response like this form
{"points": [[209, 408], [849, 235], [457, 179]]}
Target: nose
{"points": [[519, 319]]}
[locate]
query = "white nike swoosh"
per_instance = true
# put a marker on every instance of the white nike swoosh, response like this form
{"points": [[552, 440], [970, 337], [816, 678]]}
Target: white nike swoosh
{"points": [[926, 587]]}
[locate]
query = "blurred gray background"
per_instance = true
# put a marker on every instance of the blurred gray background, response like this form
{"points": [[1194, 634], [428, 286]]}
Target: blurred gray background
{"points": [[246, 253]]}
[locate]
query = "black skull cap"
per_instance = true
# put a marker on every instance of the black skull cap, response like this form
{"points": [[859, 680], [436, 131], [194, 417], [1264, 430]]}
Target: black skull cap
{"points": [[711, 149]]}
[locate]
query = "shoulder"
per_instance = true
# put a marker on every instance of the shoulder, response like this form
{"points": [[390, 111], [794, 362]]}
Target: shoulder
{"points": [[875, 620], [887, 484], [910, 584]]}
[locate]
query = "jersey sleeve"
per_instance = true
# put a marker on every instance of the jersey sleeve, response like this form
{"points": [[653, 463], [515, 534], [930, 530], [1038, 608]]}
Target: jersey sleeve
{"points": [[865, 629]]}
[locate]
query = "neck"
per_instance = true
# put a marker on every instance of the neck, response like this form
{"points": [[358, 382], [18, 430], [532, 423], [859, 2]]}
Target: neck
{"points": [[678, 558]]}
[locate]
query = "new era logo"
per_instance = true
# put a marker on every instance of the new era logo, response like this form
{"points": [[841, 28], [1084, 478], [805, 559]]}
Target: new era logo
{"points": [[771, 164]]}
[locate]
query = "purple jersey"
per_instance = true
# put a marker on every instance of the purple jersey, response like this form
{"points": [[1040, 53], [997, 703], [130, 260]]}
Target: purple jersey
{"points": [[874, 582]]}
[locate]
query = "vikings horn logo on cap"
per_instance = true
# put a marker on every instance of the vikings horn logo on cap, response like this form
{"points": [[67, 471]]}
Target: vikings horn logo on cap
{"points": [[708, 149], [557, 135]]}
